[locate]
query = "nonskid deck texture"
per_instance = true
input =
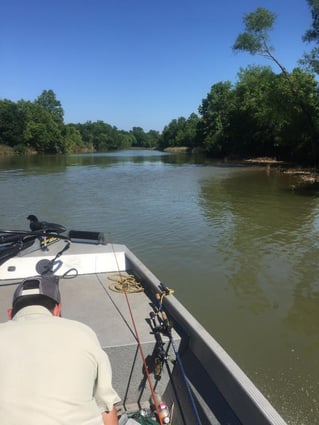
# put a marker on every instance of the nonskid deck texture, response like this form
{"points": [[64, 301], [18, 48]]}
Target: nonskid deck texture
{"points": [[107, 312]]}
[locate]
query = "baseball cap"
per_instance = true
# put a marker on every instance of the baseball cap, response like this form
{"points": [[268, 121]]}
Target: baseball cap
{"points": [[39, 285]]}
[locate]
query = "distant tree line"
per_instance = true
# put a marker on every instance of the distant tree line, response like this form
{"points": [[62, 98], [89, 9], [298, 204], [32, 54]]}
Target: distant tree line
{"points": [[263, 114], [39, 126]]}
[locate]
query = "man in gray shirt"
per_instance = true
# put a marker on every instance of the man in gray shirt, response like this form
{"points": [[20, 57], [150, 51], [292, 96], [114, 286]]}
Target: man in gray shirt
{"points": [[53, 370]]}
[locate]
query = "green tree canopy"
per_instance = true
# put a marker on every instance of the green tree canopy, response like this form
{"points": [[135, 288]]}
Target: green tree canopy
{"points": [[181, 132], [12, 122], [49, 102], [311, 59], [216, 109], [41, 131], [255, 39], [259, 116]]}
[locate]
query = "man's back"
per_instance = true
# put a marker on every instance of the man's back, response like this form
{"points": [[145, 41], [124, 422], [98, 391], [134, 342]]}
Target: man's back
{"points": [[50, 369]]}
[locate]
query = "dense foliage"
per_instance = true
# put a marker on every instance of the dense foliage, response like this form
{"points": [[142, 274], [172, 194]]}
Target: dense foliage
{"points": [[262, 114], [311, 59], [39, 126]]}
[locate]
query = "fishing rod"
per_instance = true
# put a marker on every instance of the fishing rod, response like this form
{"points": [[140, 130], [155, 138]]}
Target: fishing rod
{"points": [[167, 329], [12, 242], [159, 351], [161, 356], [137, 337], [12, 237], [9, 236]]}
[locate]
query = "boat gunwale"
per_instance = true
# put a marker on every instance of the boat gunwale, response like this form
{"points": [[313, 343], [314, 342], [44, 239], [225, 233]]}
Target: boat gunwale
{"points": [[242, 395]]}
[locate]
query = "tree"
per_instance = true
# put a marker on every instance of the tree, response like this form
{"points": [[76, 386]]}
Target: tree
{"points": [[72, 139], [215, 123], [181, 132], [41, 132], [297, 140], [100, 135], [49, 102], [311, 59], [140, 137], [153, 137], [12, 122], [269, 121], [252, 127], [255, 40], [126, 139]]}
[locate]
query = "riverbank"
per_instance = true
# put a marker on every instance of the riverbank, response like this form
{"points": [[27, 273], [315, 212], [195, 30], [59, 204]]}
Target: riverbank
{"points": [[6, 150], [307, 175]]}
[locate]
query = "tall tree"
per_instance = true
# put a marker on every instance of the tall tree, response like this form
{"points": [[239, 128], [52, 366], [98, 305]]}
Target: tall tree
{"points": [[181, 132], [215, 123], [49, 102], [140, 136], [311, 59], [41, 131], [12, 121], [255, 40], [253, 123]]}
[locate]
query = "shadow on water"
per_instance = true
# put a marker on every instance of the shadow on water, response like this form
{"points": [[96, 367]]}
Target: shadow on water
{"points": [[306, 189]]}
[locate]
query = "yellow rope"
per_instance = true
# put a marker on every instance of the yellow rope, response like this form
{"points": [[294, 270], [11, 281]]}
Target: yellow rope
{"points": [[165, 293], [124, 283]]}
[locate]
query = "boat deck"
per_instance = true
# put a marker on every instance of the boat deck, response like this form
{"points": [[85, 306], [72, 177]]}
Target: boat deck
{"points": [[224, 394]]}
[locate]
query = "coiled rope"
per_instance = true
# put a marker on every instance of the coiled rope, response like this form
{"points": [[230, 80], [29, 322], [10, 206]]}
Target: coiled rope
{"points": [[124, 283]]}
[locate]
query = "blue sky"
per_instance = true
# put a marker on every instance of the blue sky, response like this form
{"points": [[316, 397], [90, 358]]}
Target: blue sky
{"points": [[134, 62]]}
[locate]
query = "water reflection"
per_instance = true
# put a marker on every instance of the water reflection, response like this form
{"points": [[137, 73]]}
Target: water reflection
{"points": [[266, 238], [59, 163], [33, 164]]}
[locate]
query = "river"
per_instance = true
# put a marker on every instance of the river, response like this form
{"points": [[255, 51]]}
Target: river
{"points": [[238, 245]]}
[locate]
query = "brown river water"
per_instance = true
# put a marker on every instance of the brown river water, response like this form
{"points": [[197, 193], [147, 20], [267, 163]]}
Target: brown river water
{"points": [[238, 244]]}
